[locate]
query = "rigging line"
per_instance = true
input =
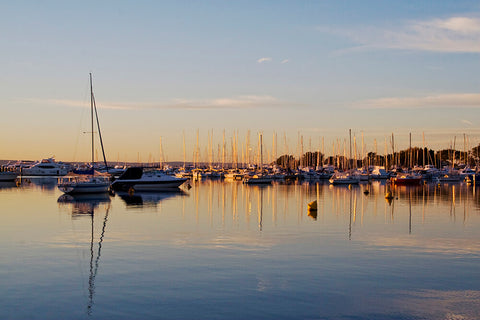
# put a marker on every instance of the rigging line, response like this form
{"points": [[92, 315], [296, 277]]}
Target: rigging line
{"points": [[99, 132]]}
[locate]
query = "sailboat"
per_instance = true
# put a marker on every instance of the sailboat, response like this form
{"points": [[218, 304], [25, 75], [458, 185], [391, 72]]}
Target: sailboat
{"points": [[260, 177], [91, 183]]}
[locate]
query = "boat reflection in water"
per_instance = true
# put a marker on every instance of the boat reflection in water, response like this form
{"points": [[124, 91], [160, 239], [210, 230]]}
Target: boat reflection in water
{"points": [[7, 184], [84, 205], [255, 248], [44, 183], [148, 198]]}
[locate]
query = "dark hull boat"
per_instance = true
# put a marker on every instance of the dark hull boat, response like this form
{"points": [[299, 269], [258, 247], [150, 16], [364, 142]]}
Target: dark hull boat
{"points": [[139, 180]]}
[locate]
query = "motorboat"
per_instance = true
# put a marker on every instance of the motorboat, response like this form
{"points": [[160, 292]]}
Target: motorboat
{"points": [[407, 179], [344, 178], [258, 178], [450, 177], [138, 179], [379, 173], [46, 167], [234, 175]]}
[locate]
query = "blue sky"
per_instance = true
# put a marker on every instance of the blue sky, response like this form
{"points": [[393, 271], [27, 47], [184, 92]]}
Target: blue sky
{"points": [[308, 68]]}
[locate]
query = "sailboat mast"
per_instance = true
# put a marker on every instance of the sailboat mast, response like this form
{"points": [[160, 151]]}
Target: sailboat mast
{"points": [[261, 152], [98, 127], [91, 119], [350, 154]]}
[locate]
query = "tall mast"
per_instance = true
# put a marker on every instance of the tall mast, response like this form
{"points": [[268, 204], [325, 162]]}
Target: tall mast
{"points": [[223, 150], [423, 153], [386, 155], [410, 149], [94, 106], [261, 152], [350, 155], [161, 154], [184, 154], [91, 119], [393, 149]]}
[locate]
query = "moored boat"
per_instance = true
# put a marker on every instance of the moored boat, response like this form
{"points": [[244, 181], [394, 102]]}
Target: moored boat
{"points": [[88, 180], [46, 167], [78, 183], [344, 178], [406, 179], [138, 179], [258, 179]]}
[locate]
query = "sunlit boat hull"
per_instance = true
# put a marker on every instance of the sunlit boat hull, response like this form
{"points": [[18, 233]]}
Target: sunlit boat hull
{"points": [[84, 187], [264, 180], [344, 179], [449, 178], [134, 178], [407, 181]]}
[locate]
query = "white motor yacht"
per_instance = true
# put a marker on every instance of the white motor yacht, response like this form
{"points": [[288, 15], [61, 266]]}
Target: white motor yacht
{"points": [[140, 180], [46, 167]]}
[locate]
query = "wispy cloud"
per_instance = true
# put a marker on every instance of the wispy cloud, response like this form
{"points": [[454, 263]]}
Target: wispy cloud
{"points": [[265, 59], [75, 103], [238, 102], [454, 34], [459, 100], [285, 61], [468, 123]]}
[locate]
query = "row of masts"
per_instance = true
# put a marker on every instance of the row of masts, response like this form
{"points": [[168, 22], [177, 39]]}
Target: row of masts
{"points": [[235, 153]]}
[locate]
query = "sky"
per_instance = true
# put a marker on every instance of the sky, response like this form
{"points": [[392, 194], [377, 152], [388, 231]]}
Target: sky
{"points": [[167, 71]]}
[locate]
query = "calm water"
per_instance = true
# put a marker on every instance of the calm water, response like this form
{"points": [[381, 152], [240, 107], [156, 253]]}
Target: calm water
{"points": [[224, 250]]}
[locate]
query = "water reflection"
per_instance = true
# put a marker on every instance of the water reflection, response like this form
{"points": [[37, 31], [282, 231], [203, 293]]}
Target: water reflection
{"points": [[7, 184], [85, 206], [356, 257], [44, 183], [148, 199], [358, 205]]}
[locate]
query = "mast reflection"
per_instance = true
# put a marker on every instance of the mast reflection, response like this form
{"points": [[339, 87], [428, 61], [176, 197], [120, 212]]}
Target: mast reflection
{"points": [[85, 206]]}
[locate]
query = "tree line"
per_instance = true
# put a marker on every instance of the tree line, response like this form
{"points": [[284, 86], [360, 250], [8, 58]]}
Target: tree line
{"points": [[404, 158]]}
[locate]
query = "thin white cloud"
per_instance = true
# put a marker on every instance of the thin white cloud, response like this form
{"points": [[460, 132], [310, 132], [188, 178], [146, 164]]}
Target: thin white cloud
{"points": [[459, 100], [469, 123], [285, 61], [454, 34], [265, 59], [75, 103], [239, 102]]}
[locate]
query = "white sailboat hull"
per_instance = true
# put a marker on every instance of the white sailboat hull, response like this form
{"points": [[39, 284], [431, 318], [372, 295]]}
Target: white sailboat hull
{"points": [[81, 187]]}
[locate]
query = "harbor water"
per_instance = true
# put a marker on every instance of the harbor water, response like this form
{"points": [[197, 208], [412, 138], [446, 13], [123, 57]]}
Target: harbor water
{"points": [[226, 250]]}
